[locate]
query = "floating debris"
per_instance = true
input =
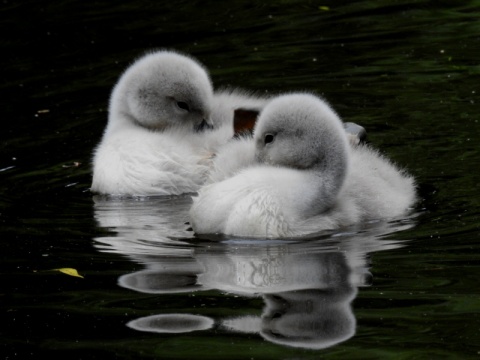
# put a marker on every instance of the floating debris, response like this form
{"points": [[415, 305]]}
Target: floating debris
{"points": [[69, 271], [74, 164]]}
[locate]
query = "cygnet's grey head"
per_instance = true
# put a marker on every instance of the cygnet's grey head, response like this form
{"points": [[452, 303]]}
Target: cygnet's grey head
{"points": [[164, 89], [301, 131]]}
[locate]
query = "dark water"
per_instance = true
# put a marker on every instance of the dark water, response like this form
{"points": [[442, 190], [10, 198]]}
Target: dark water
{"points": [[406, 70]]}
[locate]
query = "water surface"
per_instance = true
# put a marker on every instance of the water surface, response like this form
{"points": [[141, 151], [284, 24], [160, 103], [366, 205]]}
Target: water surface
{"points": [[408, 71]]}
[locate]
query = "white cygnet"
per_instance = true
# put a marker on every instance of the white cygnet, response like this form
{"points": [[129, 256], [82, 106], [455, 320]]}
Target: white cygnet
{"points": [[299, 175], [164, 125]]}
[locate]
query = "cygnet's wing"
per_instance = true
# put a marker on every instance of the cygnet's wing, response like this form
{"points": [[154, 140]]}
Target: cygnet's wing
{"points": [[378, 187], [260, 201], [239, 206], [237, 154]]}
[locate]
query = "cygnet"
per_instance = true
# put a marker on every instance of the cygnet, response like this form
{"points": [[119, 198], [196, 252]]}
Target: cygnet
{"points": [[164, 124], [298, 175]]}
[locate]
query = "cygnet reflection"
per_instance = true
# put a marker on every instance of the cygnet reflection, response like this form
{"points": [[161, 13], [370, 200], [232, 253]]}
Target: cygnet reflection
{"points": [[171, 323], [307, 286], [138, 223], [307, 290]]}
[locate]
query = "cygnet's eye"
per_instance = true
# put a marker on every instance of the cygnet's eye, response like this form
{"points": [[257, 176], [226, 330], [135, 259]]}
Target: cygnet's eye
{"points": [[183, 105], [269, 138]]}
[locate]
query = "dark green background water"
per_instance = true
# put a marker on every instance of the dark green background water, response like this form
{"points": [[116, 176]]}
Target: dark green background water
{"points": [[408, 71]]}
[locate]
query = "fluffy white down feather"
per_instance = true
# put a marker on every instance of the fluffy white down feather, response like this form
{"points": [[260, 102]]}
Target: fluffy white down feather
{"points": [[152, 144], [246, 196]]}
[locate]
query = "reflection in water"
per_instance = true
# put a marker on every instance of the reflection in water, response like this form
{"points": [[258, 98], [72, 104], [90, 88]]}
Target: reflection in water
{"points": [[172, 323], [141, 222], [307, 286]]}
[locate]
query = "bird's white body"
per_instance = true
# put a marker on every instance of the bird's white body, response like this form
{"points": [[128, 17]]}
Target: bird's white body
{"points": [[310, 178], [146, 163], [165, 122]]}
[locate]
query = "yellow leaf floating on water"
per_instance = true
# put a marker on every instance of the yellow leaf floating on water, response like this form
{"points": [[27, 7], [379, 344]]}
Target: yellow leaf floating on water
{"points": [[70, 271]]}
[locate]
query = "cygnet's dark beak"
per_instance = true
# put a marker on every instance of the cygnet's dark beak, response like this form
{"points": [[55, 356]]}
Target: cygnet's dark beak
{"points": [[203, 126]]}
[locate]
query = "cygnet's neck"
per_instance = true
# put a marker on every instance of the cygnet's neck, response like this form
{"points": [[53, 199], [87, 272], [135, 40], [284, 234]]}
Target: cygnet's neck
{"points": [[326, 179], [119, 117], [333, 180]]}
